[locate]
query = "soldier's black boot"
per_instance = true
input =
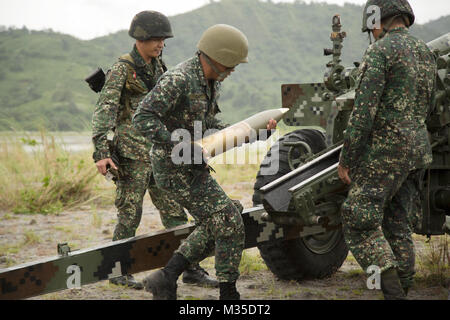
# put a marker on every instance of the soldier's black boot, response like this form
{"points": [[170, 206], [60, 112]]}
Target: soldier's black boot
{"points": [[163, 283], [406, 280], [195, 274], [390, 285], [406, 290], [127, 280], [228, 291]]}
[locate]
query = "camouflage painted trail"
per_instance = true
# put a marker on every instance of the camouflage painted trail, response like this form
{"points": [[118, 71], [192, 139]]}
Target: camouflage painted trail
{"points": [[122, 257]]}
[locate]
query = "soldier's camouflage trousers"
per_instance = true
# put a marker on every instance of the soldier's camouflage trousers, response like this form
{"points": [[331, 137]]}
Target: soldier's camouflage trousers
{"points": [[219, 225], [135, 179], [378, 217]]}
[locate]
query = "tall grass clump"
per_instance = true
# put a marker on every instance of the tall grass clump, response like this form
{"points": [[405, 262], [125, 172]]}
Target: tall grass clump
{"points": [[434, 262], [251, 262], [42, 177]]}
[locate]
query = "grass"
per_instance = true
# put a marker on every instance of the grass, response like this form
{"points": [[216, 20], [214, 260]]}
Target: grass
{"points": [[433, 263], [358, 292], [208, 263], [96, 219], [31, 238], [355, 274], [65, 229], [251, 262], [350, 258], [38, 175], [42, 177], [7, 216], [11, 248]]}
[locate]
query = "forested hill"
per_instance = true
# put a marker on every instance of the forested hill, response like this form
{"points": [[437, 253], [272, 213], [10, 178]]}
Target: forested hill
{"points": [[42, 72]]}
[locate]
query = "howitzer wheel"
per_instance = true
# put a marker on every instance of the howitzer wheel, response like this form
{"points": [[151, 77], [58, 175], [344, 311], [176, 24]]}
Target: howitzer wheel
{"points": [[315, 256]]}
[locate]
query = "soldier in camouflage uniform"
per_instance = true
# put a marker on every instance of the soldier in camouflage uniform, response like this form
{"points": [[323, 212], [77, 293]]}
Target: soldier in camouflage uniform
{"points": [[127, 83], [385, 144], [184, 95]]}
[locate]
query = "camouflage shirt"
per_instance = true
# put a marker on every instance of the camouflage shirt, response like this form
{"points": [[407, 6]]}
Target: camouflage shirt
{"points": [[111, 112], [393, 98], [181, 97]]}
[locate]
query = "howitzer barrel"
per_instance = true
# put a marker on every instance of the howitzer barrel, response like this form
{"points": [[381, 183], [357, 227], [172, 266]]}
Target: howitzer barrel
{"points": [[239, 133], [442, 44]]}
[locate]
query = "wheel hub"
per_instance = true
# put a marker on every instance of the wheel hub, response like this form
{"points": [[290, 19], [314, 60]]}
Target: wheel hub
{"points": [[322, 243], [298, 152]]}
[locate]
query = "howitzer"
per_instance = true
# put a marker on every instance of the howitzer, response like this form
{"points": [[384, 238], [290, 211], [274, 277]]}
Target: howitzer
{"points": [[296, 221]]}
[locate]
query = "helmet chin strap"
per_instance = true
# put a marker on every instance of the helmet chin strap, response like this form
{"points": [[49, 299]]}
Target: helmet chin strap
{"points": [[369, 33], [221, 75], [387, 26]]}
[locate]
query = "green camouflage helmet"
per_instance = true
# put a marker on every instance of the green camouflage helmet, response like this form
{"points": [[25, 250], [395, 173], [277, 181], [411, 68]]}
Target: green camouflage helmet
{"points": [[150, 24], [387, 9]]}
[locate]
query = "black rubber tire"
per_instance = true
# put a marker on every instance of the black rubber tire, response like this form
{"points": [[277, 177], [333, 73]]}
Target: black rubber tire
{"points": [[298, 258], [279, 152]]}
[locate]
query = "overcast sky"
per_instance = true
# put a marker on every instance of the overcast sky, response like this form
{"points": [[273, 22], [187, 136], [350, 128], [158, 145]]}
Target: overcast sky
{"points": [[87, 19]]}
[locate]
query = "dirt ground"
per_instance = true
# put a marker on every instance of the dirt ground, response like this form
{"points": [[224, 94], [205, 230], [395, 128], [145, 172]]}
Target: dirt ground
{"points": [[25, 238]]}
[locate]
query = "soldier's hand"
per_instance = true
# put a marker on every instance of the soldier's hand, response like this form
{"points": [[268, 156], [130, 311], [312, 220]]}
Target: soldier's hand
{"points": [[343, 174], [272, 124], [102, 165]]}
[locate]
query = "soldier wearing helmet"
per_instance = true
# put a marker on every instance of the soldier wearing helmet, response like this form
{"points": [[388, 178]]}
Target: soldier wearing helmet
{"points": [[186, 98], [127, 83], [386, 146], [388, 12]]}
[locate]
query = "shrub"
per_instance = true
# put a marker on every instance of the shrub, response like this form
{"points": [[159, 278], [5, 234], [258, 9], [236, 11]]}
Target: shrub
{"points": [[42, 177]]}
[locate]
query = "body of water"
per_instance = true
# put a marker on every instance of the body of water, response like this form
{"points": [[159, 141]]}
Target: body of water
{"points": [[72, 142], [79, 142]]}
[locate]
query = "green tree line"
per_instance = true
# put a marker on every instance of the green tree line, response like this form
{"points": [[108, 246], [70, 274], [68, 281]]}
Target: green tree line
{"points": [[42, 72]]}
